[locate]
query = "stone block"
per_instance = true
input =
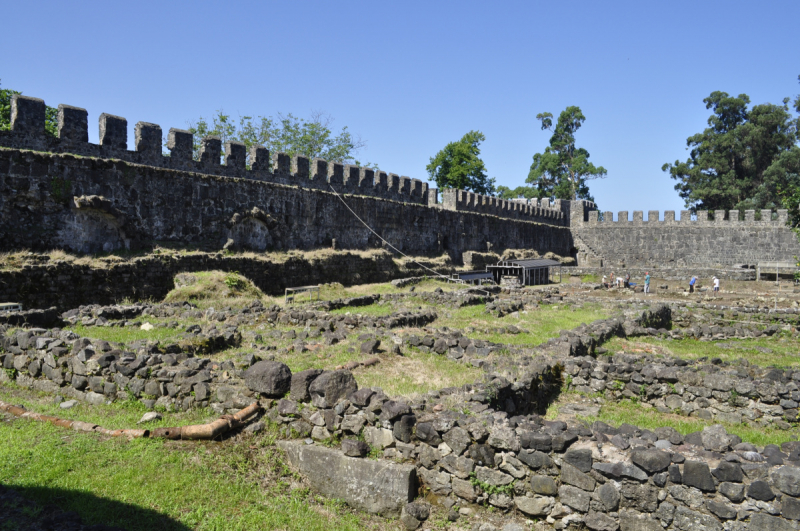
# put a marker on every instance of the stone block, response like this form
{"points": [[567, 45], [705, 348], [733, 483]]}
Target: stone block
{"points": [[113, 132], [147, 138], [652, 216], [210, 151], [73, 124], [260, 159], [281, 164], [335, 175], [235, 155], [27, 115], [378, 487], [180, 144]]}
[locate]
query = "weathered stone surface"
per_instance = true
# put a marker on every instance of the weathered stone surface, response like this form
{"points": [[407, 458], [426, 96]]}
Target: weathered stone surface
{"points": [[733, 491], [760, 490], [580, 459], [300, 383], [574, 497], [534, 506], [727, 471], [696, 474], [636, 521], [572, 476], [688, 520], [600, 522], [543, 485], [722, 510], [790, 508], [492, 477], [271, 378], [609, 496], [378, 487], [651, 461], [787, 480], [764, 522], [330, 387], [354, 448]]}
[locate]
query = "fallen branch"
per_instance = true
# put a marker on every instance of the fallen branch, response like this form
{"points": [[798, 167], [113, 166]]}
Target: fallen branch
{"points": [[195, 432]]}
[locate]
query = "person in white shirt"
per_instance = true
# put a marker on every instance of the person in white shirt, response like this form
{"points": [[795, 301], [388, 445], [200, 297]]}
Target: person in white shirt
{"points": [[716, 284]]}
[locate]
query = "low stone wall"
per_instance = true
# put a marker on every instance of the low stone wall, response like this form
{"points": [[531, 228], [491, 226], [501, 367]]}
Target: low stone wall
{"points": [[68, 285]]}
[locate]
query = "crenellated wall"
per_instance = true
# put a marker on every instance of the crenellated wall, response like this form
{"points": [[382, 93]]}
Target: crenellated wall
{"points": [[63, 192], [27, 132], [718, 239], [463, 201]]}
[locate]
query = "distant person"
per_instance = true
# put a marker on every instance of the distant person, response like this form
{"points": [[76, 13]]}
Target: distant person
{"points": [[692, 283], [613, 280], [628, 280], [716, 285], [605, 282], [646, 282]]}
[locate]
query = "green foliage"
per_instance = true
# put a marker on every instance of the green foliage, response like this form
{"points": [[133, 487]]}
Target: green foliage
{"points": [[60, 188], [50, 116], [235, 282], [458, 165], [563, 169], [312, 138], [747, 158], [491, 489]]}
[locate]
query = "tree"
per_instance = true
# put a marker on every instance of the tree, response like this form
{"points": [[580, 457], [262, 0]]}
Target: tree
{"points": [[743, 160], [50, 116], [459, 166], [528, 192], [311, 138], [563, 169]]}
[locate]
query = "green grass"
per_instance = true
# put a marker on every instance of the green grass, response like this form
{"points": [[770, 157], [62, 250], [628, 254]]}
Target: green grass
{"points": [[786, 351], [412, 373], [541, 323], [127, 334], [616, 413], [416, 373], [374, 310], [118, 415], [146, 484]]}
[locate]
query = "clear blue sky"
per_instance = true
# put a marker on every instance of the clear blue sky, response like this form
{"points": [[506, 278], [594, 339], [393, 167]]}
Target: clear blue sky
{"points": [[411, 76]]}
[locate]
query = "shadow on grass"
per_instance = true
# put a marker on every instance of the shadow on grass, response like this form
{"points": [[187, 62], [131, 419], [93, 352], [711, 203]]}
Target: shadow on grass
{"points": [[42, 508]]}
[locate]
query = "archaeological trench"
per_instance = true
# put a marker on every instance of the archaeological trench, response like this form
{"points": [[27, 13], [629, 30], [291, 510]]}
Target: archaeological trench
{"points": [[484, 455]]}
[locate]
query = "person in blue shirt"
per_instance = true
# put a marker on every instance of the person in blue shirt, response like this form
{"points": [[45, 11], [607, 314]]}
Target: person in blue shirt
{"points": [[646, 282], [691, 284]]}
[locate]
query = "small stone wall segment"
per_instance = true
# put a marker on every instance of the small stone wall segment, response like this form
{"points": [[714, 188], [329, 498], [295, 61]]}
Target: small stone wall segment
{"points": [[94, 205], [681, 274], [378, 487], [544, 211]]}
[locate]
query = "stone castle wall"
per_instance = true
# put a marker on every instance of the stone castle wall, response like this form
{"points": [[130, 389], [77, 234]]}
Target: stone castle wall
{"points": [[67, 193], [722, 242], [114, 199]]}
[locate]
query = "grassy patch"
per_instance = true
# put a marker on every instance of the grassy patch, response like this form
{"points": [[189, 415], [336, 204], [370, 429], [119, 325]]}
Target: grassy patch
{"points": [[118, 415], [541, 323], [127, 334], [784, 350], [616, 413], [375, 310], [416, 373], [171, 485], [207, 288]]}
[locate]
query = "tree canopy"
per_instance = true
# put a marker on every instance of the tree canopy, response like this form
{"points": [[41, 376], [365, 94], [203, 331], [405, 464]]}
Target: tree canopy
{"points": [[747, 157], [50, 117], [563, 169], [312, 138], [458, 165]]}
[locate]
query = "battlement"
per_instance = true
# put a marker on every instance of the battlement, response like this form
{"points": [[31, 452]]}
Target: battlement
{"points": [[703, 218], [533, 210], [28, 132]]}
